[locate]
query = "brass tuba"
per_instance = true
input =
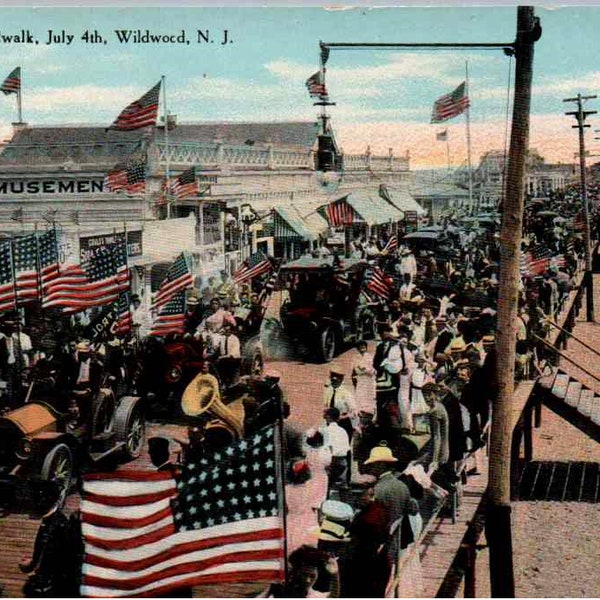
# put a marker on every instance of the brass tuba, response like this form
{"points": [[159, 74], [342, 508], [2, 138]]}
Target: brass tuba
{"points": [[202, 396]]}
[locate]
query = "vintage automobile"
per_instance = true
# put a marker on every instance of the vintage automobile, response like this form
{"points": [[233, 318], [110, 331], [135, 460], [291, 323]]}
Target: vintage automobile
{"points": [[325, 308], [40, 443]]}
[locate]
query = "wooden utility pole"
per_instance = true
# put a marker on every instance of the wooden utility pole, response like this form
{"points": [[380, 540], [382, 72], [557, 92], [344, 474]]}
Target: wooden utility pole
{"points": [[498, 514], [580, 115]]}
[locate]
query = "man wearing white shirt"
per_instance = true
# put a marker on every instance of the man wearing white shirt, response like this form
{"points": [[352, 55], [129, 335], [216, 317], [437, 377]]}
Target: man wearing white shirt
{"points": [[408, 264], [337, 395], [230, 357], [338, 442]]}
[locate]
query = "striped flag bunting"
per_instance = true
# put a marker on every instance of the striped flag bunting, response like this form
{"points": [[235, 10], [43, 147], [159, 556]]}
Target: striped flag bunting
{"points": [[12, 84], [450, 105], [252, 267], [141, 113], [184, 186], [178, 277], [378, 282], [391, 245], [25, 257], [7, 282], [171, 317], [145, 534], [128, 177], [338, 213], [95, 282], [315, 85]]}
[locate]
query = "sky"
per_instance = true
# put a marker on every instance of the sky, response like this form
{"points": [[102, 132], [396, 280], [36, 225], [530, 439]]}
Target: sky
{"points": [[383, 97]]}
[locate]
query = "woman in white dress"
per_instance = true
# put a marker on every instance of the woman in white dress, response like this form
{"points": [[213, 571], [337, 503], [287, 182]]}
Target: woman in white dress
{"points": [[365, 382]]}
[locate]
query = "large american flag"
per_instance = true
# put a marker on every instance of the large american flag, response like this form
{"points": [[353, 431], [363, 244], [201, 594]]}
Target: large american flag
{"points": [[252, 267], [316, 85], [25, 256], [128, 177], [141, 113], [146, 535], [171, 317], [48, 252], [378, 282], [12, 84], [178, 277], [338, 213], [535, 261], [450, 105], [7, 282], [184, 186], [124, 321], [95, 282]]}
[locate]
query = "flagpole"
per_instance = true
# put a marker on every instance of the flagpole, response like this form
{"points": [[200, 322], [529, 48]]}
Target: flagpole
{"points": [[280, 472], [448, 149], [38, 265], [468, 118], [166, 124], [19, 107]]}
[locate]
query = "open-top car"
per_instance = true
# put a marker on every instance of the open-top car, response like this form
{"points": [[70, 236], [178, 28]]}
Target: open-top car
{"points": [[325, 307]]}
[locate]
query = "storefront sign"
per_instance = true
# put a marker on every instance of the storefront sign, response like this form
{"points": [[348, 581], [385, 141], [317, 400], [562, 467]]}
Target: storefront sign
{"points": [[87, 245], [49, 186]]}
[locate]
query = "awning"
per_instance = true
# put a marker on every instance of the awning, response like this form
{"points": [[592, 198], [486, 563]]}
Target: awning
{"points": [[371, 209], [405, 201], [288, 223]]}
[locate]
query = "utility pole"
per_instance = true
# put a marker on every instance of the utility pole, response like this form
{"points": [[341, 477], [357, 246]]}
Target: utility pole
{"points": [[498, 509], [580, 115]]}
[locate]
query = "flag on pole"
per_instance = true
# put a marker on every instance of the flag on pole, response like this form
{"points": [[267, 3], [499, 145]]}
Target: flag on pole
{"points": [[12, 84], [252, 267], [450, 105], [338, 213], [124, 321], [7, 283], [146, 534], [178, 277], [95, 282], [442, 136], [315, 85], [48, 251], [378, 282], [129, 177], [25, 258], [171, 317], [141, 113], [184, 186], [391, 245]]}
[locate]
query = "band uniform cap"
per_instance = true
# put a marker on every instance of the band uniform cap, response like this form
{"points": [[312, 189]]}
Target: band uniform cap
{"points": [[380, 454]]}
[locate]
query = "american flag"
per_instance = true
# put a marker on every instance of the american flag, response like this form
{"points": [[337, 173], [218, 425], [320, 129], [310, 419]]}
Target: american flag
{"points": [[147, 535], [252, 267], [178, 277], [184, 186], [267, 289], [48, 250], [129, 177], [12, 84], [7, 283], [25, 256], [141, 113], [378, 282], [95, 282], [536, 261], [124, 321], [558, 261], [450, 105], [391, 245], [171, 317], [338, 213], [316, 85]]}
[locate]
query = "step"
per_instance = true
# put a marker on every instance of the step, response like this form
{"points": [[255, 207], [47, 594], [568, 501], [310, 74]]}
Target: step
{"points": [[586, 402], [573, 393], [595, 416], [547, 381], [561, 383]]}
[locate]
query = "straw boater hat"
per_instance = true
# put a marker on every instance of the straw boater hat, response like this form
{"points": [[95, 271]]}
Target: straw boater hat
{"points": [[336, 519], [193, 301], [336, 371], [381, 454], [200, 393], [83, 346]]}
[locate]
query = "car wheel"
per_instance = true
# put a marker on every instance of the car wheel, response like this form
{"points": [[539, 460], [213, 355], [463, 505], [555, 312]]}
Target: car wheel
{"points": [[327, 345], [130, 427], [58, 466]]}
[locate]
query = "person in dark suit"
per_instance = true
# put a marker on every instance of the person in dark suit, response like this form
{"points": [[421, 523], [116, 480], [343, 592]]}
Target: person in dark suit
{"points": [[84, 380]]}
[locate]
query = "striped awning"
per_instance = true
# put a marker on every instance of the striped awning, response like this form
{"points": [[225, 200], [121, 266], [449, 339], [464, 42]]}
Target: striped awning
{"points": [[289, 224]]}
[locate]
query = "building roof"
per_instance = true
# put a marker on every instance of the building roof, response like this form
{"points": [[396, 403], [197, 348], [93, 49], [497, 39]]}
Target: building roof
{"points": [[373, 209], [298, 134], [289, 223]]}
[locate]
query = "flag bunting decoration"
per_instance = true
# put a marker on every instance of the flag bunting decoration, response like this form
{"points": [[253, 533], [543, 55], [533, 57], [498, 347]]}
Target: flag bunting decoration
{"points": [[141, 113], [95, 282], [171, 317], [378, 282], [147, 535], [391, 245], [177, 278], [450, 105], [442, 136], [184, 186], [12, 84], [315, 85], [338, 213], [128, 177], [252, 267]]}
